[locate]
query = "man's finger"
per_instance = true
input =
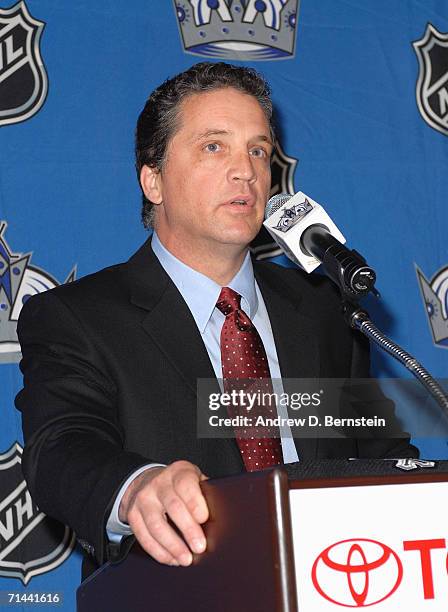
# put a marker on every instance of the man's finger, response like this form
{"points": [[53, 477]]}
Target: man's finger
{"points": [[150, 545], [162, 532], [190, 492], [148, 522], [181, 516]]}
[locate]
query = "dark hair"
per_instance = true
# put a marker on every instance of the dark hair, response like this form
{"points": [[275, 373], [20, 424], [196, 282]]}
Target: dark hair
{"points": [[158, 121]]}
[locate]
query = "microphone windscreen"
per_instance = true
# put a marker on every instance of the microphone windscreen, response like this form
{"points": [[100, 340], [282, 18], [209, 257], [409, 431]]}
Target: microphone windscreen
{"points": [[275, 203]]}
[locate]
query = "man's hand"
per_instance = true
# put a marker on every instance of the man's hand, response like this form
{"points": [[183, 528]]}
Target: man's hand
{"points": [[159, 492]]}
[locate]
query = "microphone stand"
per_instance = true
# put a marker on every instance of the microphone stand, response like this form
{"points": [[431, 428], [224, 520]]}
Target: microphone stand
{"points": [[359, 319], [350, 272]]}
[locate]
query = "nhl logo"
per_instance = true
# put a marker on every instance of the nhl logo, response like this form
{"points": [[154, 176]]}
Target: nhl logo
{"points": [[435, 298], [30, 542], [282, 181], [432, 84], [245, 30], [23, 79], [282, 171]]}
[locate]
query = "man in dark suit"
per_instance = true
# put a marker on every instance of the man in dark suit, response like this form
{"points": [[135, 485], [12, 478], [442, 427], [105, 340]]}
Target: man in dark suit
{"points": [[111, 361]]}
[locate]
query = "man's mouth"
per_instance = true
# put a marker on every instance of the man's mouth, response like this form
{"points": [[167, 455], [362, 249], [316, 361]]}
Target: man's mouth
{"points": [[242, 201]]}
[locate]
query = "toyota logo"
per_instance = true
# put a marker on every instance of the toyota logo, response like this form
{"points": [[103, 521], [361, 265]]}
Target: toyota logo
{"points": [[357, 573]]}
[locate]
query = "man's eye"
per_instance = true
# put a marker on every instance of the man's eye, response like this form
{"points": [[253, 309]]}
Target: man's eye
{"points": [[258, 152], [212, 147]]}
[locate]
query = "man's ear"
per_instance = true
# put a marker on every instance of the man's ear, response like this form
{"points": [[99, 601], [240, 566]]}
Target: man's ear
{"points": [[150, 180]]}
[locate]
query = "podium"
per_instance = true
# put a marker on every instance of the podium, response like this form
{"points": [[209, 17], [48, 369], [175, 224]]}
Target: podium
{"points": [[322, 535]]}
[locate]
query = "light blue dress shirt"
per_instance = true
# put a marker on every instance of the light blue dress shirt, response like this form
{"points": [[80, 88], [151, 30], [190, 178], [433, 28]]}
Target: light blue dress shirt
{"points": [[201, 294]]}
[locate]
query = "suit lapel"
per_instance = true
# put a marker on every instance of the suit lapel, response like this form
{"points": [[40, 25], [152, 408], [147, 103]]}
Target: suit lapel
{"points": [[295, 334], [296, 338], [168, 322]]}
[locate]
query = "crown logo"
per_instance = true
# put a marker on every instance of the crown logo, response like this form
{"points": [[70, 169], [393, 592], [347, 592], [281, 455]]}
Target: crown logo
{"points": [[435, 297], [238, 29], [293, 215], [19, 280]]}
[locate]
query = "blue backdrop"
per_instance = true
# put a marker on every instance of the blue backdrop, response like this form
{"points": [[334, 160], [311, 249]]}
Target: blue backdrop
{"points": [[363, 110]]}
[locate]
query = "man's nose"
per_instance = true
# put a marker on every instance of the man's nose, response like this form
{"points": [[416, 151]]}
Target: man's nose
{"points": [[242, 167]]}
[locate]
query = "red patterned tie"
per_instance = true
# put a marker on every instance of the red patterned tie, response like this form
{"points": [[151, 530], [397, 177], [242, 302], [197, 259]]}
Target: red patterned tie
{"points": [[245, 366]]}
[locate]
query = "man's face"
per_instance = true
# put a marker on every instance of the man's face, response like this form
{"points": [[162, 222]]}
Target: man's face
{"points": [[213, 188]]}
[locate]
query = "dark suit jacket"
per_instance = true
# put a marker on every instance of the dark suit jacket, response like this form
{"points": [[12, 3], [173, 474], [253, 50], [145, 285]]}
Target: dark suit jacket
{"points": [[110, 366]]}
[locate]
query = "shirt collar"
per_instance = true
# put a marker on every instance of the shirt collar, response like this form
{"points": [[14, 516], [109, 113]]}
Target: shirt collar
{"points": [[200, 292]]}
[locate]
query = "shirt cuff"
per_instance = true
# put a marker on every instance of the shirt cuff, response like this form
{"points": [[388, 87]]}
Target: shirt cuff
{"points": [[115, 528]]}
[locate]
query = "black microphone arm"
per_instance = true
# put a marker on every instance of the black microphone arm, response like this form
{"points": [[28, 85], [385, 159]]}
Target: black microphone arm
{"points": [[348, 269]]}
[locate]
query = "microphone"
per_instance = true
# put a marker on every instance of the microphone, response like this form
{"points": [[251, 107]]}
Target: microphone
{"points": [[308, 236]]}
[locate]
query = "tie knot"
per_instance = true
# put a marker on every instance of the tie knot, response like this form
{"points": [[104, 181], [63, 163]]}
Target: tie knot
{"points": [[228, 301]]}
